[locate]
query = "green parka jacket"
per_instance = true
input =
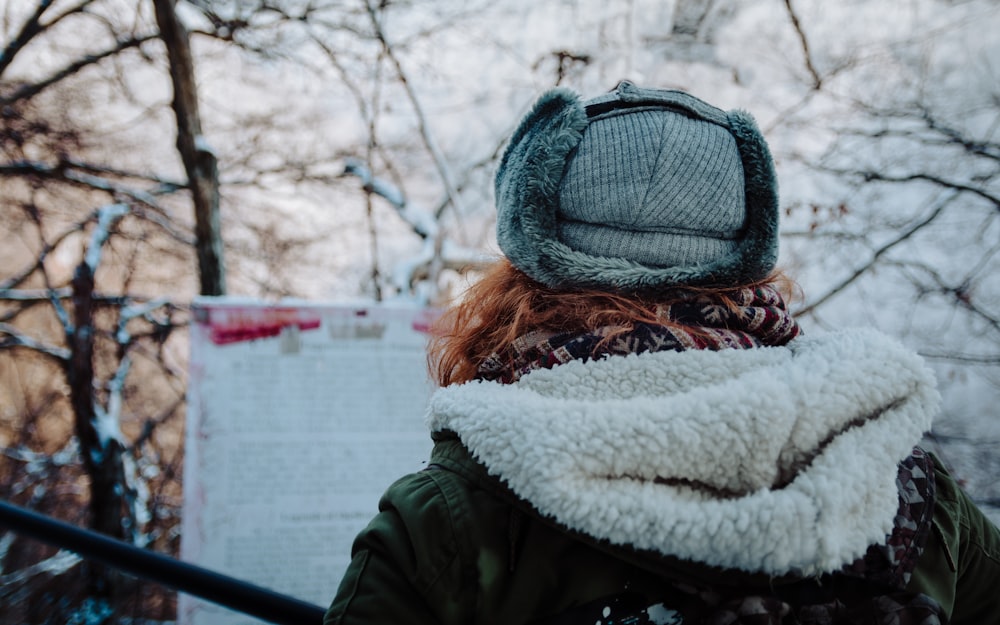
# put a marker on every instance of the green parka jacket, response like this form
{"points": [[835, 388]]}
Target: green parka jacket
{"points": [[495, 530]]}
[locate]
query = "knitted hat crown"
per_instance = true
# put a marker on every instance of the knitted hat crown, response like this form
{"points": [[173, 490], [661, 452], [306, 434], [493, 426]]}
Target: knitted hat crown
{"points": [[637, 190]]}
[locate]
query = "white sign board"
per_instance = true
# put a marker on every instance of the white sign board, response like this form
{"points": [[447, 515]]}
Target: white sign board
{"points": [[298, 419]]}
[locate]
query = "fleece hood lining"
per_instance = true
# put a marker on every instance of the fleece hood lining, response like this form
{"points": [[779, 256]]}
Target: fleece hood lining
{"points": [[796, 446]]}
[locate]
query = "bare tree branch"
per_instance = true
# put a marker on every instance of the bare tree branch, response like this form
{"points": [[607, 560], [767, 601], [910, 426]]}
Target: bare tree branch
{"points": [[425, 132], [31, 27], [973, 146], [367, 113], [31, 90], [875, 176], [66, 171], [960, 293], [39, 261], [817, 79], [920, 112], [41, 295], [860, 271], [163, 185], [151, 423], [943, 137], [870, 176]]}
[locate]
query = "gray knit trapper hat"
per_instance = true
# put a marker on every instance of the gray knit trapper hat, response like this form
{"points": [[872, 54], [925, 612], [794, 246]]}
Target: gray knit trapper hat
{"points": [[635, 191]]}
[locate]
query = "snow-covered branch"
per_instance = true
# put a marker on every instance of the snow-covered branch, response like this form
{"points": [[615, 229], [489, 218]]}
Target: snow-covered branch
{"points": [[12, 585], [12, 337], [107, 216], [46, 295], [423, 222], [35, 461], [76, 173], [33, 295], [163, 185], [437, 252], [134, 311], [85, 175]]}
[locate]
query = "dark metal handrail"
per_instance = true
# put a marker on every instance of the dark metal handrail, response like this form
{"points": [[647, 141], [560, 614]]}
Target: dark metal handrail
{"points": [[223, 590]]}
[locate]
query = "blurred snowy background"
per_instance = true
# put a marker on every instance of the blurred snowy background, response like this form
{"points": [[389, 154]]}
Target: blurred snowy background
{"points": [[355, 142]]}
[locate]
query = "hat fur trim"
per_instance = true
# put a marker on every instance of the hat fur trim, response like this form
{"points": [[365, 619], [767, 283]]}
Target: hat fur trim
{"points": [[527, 186]]}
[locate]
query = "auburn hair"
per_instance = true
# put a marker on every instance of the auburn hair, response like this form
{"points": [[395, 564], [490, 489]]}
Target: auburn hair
{"points": [[506, 304]]}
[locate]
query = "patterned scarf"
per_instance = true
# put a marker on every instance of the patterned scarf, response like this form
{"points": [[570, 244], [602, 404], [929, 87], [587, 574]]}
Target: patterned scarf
{"points": [[758, 318]]}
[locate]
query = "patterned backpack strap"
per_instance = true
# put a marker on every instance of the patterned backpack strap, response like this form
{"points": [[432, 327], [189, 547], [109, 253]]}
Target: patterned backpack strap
{"points": [[870, 590], [893, 563], [873, 588]]}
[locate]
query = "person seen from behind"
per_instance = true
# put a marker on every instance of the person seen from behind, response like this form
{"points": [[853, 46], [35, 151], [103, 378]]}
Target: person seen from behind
{"points": [[631, 427]]}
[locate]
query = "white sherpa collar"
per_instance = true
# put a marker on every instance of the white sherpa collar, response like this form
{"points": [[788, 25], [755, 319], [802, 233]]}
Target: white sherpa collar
{"points": [[592, 444]]}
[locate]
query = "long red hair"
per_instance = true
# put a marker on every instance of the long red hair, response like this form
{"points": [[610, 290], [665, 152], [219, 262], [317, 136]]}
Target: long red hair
{"points": [[506, 304]]}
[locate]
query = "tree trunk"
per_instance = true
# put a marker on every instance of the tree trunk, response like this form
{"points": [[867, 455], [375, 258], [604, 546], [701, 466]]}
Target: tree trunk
{"points": [[199, 160], [102, 455]]}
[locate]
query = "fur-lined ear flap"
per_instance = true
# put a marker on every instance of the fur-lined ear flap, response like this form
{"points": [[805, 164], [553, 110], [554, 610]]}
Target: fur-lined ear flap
{"points": [[527, 181], [759, 248]]}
